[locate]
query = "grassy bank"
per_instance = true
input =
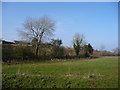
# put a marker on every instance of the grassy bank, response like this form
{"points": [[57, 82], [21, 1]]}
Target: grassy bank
{"points": [[87, 73]]}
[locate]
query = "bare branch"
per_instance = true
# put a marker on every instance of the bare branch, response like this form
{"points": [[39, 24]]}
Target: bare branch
{"points": [[38, 28]]}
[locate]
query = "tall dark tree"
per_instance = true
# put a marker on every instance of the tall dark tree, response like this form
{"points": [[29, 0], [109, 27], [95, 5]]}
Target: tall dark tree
{"points": [[56, 42], [88, 49], [57, 50]]}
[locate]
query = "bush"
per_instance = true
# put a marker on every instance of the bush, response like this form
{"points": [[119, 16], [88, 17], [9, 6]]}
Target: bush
{"points": [[58, 52], [11, 52], [24, 53], [7, 52]]}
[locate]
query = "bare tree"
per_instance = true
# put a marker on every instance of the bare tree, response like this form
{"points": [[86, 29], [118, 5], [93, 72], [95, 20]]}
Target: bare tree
{"points": [[37, 29], [116, 50], [102, 48], [78, 42]]}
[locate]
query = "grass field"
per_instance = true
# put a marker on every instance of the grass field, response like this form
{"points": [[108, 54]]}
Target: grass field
{"points": [[87, 73]]}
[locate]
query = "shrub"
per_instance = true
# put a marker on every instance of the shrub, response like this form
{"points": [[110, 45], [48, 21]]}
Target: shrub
{"points": [[11, 52]]}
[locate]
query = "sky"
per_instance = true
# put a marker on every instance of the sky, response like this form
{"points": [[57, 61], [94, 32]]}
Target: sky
{"points": [[98, 21]]}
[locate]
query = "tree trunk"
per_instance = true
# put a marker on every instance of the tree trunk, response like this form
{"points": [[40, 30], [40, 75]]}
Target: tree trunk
{"points": [[39, 42], [37, 49]]}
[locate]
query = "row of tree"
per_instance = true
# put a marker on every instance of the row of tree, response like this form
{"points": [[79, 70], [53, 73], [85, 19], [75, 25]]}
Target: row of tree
{"points": [[47, 51], [35, 31], [28, 52]]}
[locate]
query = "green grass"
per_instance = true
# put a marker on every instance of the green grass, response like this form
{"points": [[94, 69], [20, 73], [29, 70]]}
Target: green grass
{"points": [[86, 73]]}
